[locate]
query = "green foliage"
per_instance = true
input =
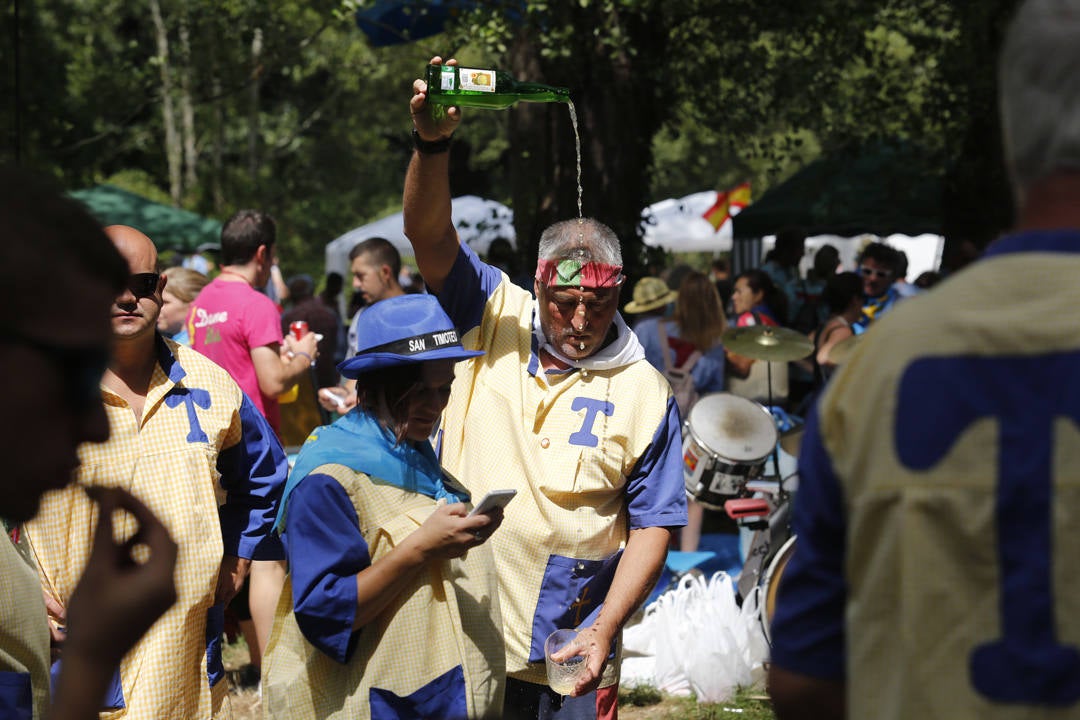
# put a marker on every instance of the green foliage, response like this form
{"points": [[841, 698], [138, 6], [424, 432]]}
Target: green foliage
{"points": [[639, 695], [673, 97]]}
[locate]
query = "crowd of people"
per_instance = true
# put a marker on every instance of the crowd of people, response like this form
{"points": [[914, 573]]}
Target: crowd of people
{"points": [[149, 488]]}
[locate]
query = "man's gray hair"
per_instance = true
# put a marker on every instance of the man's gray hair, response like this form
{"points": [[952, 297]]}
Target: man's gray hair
{"points": [[600, 242], [1039, 90]]}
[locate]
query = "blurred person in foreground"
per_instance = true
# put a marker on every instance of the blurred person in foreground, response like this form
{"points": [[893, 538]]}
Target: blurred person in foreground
{"points": [[933, 576], [394, 602], [564, 408], [54, 347], [181, 288], [187, 442]]}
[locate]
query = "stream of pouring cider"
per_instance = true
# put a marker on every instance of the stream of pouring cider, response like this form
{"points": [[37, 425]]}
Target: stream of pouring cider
{"points": [[494, 90]]}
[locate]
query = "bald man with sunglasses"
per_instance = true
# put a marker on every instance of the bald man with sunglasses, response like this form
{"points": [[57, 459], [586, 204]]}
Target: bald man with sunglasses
{"points": [[187, 442]]}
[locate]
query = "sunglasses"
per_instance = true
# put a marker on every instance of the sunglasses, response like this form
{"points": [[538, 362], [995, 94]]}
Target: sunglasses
{"points": [[143, 284], [81, 367], [874, 272]]}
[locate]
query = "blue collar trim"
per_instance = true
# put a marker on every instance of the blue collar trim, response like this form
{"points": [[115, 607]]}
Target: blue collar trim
{"points": [[357, 441], [167, 360], [1049, 241]]}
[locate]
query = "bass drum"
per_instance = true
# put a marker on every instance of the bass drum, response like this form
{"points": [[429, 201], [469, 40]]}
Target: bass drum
{"points": [[770, 583]]}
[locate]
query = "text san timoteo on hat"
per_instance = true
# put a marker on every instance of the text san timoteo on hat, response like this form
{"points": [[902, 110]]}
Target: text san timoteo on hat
{"points": [[403, 330]]}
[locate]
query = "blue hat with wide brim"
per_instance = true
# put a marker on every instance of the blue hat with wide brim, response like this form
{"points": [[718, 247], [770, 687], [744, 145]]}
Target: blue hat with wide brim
{"points": [[403, 330]]}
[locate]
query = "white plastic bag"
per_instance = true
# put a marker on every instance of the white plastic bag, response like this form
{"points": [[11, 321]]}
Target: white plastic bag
{"points": [[702, 641]]}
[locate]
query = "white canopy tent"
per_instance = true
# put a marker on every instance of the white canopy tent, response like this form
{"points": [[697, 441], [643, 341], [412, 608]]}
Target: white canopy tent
{"points": [[478, 222], [923, 251], [679, 225]]}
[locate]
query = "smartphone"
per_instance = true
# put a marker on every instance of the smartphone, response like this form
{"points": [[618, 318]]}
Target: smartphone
{"points": [[332, 397], [494, 499]]}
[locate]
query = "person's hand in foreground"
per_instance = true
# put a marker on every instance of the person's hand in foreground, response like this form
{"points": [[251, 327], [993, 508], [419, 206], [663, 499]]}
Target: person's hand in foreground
{"points": [[116, 601]]}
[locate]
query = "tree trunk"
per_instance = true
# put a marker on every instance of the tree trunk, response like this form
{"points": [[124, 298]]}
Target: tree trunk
{"points": [[978, 200], [617, 101], [253, 104], [187, 108], [217, 143], [530, 156], [168, 113]]}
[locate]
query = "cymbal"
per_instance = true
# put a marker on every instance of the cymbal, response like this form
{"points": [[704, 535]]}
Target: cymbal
{"points": [[840, 353], [791, 440], [766, 342]]}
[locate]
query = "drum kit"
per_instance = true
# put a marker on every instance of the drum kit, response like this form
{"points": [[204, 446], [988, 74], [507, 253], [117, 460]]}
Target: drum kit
{"points": [[727, 442]]}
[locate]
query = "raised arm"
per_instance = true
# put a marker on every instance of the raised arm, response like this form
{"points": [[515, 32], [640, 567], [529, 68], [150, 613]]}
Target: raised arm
{"points": [[426, 202], [279, 366]]}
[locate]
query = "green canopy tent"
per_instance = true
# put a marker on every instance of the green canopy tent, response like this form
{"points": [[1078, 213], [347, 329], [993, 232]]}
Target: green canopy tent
{"points": [[881, 189], [170, 228]]}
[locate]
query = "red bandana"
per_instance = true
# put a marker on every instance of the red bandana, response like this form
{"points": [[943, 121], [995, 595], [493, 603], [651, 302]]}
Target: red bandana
{"points": [[574, 273]]}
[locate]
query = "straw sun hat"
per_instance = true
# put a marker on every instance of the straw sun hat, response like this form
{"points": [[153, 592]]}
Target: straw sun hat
{"points": [[649, 294]]}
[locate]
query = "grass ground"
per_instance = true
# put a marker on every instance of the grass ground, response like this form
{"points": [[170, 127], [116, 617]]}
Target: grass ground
{"points": [[639, 703]]}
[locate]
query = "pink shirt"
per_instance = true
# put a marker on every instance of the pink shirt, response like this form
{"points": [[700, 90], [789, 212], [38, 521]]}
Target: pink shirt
{"points": [[226, 320]]}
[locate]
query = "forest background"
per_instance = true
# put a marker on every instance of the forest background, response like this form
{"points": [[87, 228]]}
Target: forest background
{"points": [[284, 105]]}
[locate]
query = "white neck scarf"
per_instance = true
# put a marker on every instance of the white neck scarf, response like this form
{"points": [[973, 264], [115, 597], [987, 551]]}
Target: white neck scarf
{"points": [[624, 350]]}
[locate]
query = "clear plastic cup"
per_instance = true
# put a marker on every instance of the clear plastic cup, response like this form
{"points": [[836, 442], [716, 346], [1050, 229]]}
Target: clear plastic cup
{"points": [[562, 676]]}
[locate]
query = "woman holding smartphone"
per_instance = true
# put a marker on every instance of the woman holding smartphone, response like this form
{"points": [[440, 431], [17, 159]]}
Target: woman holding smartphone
{"points": [[390, 608]]}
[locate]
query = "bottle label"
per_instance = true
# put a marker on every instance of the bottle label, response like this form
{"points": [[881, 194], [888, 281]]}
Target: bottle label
{"points": [[446, 79], [479, 80]]}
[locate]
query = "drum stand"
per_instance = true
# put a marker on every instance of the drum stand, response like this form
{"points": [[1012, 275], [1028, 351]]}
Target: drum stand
{"points": [[775, 454]]}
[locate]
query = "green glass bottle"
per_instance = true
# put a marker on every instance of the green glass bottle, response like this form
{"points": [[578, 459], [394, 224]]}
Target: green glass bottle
{"points": [[492, 89]]}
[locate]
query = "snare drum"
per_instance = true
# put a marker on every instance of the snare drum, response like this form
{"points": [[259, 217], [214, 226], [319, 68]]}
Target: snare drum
{"points": [[726, 441]]}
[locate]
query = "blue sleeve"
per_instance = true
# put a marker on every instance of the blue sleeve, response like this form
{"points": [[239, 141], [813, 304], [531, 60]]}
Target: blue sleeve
{"points": [[808, 628], [326, 552], [708, 373], [649, 337], [253, 473], [467, 288], [655, 488]]}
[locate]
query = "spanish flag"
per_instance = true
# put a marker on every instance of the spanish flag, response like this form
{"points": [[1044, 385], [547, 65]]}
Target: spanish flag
{"points": [[736, 197]]}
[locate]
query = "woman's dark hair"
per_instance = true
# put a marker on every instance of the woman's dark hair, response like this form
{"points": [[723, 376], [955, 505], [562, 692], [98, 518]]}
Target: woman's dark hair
{"points": [[384, 393], [774, 298], [839, 291]]}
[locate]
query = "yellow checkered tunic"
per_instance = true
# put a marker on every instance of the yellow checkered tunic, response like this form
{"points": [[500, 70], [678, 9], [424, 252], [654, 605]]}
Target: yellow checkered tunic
{"points": [[938, 502], [446, 618], [508, 428], [24, 628], [169, 461]]}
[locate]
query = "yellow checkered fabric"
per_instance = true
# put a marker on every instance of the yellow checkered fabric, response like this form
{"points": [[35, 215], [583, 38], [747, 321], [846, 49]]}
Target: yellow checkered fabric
{"points": [[165, 674], [446, 617], [923, 570], [24, 629], [505, 428]]}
